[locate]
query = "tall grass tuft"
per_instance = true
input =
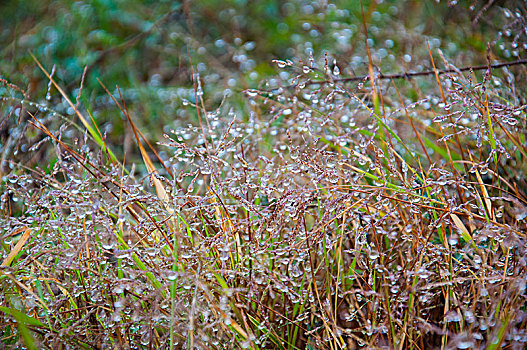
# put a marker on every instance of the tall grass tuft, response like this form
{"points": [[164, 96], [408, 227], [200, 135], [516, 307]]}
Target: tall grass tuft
{"points": [[318, 214]]}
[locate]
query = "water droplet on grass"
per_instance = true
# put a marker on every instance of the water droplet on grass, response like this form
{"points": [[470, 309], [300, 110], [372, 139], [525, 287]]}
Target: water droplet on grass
{"points": [[251, 92], [336, 70], [280, 63]]}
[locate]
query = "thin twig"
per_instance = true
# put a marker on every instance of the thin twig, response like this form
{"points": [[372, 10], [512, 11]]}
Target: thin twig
{"points": [[418, 74]]}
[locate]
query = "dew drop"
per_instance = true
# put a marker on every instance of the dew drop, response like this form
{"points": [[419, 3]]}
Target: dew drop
{"points": [[280, 63], [251, 92]]}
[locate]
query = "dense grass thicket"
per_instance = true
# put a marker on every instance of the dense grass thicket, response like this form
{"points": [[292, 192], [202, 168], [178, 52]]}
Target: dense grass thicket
{"points": [[229, 175]]}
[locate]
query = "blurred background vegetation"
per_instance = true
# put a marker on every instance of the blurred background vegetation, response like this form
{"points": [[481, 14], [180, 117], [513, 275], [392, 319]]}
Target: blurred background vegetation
{"points": [[147, 48]]}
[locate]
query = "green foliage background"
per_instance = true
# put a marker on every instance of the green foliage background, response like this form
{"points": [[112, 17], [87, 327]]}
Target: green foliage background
{"points": [[146, 47]]}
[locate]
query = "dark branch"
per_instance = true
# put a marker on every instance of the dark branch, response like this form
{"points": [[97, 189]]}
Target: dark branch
{"points": [[418, 74]]}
